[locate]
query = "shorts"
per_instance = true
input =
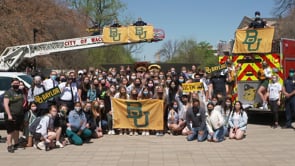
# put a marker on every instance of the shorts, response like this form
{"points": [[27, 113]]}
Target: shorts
{"points": [[264, 83], [15, 124]]}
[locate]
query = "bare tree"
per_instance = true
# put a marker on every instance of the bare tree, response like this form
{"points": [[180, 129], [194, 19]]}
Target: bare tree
{"points": [[168, 50], [283, 7]]}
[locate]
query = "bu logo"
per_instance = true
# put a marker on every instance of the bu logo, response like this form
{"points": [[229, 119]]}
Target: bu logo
{"points": [[134, 111], [251, 38], [114, 34], [140, 32]]}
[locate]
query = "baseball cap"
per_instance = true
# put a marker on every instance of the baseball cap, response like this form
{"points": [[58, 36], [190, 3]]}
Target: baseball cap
{"points": [[80, 72]]}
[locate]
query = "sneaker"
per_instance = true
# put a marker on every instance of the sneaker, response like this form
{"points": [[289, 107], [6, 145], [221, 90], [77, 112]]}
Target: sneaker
{"points": [[143, 133], [157, 133], [147, 133], [265, 107], [131, 133], [136, 133], [121, 133], [10, 149], [41, 146], [113, 132], [59, 144], [160, 134], [110, 132]]}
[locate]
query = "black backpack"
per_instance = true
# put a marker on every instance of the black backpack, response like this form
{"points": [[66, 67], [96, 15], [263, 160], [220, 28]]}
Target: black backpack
{"points": [[34, 125]]}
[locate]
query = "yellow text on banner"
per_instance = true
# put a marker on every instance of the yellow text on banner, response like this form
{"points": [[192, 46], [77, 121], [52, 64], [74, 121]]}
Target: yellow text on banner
{"points": [[115, 34], [138, 33], [253, 40], [215, 68], [192, 87], [138, 114], [41, 98]]}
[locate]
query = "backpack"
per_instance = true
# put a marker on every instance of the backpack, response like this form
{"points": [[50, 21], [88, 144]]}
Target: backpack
{"points": [[34, 125]]}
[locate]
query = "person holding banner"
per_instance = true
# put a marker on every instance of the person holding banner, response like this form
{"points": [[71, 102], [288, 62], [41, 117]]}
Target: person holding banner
{"points": [[139, 22], [36, 89], [145, 94], [108, 108], [196, 122], [176, 121], [49, 84], [258, 22], [122, 94], [162, 96], [116, 24]]}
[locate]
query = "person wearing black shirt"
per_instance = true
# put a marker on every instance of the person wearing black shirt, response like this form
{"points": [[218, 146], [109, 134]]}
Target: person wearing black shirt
{"points": [[258, 22], [196, 122], [139, 22], [116, 24]]}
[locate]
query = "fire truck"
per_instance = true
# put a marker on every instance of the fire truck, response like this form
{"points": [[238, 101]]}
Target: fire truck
{"points": [[12, 57], [280, 58]]}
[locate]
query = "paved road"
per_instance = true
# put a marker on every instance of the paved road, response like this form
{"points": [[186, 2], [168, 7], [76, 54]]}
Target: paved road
{"points": [[262, 146]]}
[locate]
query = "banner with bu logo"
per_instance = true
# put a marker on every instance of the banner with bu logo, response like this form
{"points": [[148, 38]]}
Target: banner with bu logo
{"points": [[115, 34], [253, 40], [138, 114]]}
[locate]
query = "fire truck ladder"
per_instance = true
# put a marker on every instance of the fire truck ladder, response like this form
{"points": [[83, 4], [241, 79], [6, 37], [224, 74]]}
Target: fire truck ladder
{"points": [[11, 57]]}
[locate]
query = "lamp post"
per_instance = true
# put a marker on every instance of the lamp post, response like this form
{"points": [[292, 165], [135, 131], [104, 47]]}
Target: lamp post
{"points": [[35, 31]]}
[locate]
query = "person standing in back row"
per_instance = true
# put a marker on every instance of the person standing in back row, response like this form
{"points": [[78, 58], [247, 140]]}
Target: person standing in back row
{"points": [[69, 92], [49, 84], [289, 92]]}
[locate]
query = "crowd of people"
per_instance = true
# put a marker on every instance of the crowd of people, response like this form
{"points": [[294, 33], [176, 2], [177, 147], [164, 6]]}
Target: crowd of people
{"points": [[83, 109]]}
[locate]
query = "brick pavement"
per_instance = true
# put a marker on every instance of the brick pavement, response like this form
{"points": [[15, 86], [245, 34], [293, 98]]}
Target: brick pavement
{"points": [[262, 146]]}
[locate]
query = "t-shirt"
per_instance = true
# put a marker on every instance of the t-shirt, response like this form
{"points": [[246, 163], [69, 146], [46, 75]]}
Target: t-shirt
{"points": [[257, 23], [16, 99], [274, 91]]}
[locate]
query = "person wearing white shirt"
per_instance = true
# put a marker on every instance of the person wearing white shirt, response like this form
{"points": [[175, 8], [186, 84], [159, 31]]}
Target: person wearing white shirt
{"points": [[69, 91], [214, 123], [274, 91], [264, 77]]}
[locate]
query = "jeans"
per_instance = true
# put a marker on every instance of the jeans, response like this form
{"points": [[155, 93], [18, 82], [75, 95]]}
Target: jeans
{"points": [[225, 131], [78, 139], [218, 134], [104, 125], [290, 106], [196, 134]]}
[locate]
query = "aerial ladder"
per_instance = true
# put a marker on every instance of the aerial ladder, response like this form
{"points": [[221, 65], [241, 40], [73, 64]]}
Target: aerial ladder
{"points": [[12, 57]]}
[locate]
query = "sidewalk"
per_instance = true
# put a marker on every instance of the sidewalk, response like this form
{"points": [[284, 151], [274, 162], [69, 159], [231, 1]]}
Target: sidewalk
{"points": [[262, 146]]}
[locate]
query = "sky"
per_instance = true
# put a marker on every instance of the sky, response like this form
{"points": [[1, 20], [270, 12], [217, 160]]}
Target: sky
{"points": [[206, 20]]}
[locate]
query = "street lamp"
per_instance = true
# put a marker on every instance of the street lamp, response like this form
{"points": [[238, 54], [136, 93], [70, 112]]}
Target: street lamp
{"points": [[34, 34], [34, 40]]}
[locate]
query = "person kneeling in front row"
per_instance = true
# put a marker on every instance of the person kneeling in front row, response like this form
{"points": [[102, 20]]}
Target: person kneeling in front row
{"points": [[238, 120], [77, 132], [196, 122]]}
